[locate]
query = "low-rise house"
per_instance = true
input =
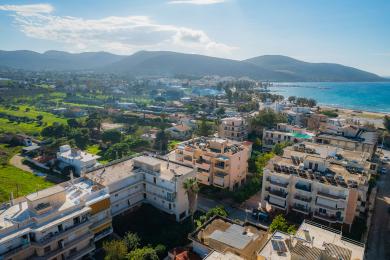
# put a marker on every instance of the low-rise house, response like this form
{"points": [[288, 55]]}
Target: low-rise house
{"points": [[222, 238], [180, 132], [233, 128], [318, 181], [298, 115], [284, 133], [311, 241], [220, 162], [145, 179], [80, 161], [60, 222]]}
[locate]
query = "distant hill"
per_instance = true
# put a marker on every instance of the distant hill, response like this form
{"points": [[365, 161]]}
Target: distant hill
{"points": [[312, 71], [165, 63]]}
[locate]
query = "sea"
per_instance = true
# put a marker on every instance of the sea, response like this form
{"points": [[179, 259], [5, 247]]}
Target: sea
{"points": [[368, 96]]}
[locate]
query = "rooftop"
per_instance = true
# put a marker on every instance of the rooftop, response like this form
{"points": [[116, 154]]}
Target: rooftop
{"points": [[312, 241], [213, 145]]}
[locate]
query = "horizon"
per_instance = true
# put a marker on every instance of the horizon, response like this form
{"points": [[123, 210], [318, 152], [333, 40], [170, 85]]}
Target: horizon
{"points": [[351, 33]]}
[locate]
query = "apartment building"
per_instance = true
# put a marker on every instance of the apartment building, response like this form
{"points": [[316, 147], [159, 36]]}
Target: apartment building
{"points": [[351, 137], [233, 128], [222, 238], [60, 222], [284, 133], [323, 182], [79, 161], [220, 162], [145, 179], [311, 241]]}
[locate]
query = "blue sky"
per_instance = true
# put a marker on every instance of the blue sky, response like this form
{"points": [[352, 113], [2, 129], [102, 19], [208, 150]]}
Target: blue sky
{"points": [[350, 32]]}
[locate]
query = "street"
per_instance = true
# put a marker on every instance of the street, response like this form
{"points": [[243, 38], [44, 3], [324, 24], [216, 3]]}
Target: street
{"points": [[378, 245]]}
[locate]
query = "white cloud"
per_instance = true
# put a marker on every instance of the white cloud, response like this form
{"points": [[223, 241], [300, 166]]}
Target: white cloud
{"points": [[197, 2], [118, 34], [26, 9]]}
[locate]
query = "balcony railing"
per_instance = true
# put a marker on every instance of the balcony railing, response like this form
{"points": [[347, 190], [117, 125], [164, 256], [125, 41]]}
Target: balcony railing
{"points": [[280, 184], [283, 207], [329, 207], [331, 196], [303, 187], [278, 193], [14, 250], [302, 198], [326, 217], [301, 208]]}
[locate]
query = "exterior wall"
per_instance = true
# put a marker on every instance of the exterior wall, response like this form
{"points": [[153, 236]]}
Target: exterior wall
{"points": [[233, 129]]}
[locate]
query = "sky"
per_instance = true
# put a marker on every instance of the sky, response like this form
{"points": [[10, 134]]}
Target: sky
{"points": [[351, 32]]}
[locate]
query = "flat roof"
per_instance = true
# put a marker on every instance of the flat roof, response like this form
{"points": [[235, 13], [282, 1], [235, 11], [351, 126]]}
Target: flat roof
{"points": [[222, 256], [45, 193]]}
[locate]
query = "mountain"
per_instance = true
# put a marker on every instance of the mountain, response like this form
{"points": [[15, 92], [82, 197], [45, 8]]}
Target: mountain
{"points": [[56, 60], [165, 63], [307, 71]]}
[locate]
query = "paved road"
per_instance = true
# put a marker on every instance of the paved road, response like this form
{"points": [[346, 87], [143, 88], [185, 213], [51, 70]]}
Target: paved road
{"points": [[234, 213], [378, 246], [17, 161]]}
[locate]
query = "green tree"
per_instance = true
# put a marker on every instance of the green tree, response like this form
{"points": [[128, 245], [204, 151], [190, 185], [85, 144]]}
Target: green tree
{"points": [[278, 148], [162, 140], [160, 250], [216, 211], [112, 136], [386, 122], [280, 223], [144, 253], [132, 241], [115, 250], [72, 122], [39, 117], [191, 187], [267, 118], [204, 129]]}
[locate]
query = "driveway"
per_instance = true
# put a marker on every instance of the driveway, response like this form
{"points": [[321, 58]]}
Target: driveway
{"points": [[17, 161], [378, 246]]}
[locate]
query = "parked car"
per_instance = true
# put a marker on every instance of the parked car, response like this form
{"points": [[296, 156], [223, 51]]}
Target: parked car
{"points": [[259, 215], [383, 170]]}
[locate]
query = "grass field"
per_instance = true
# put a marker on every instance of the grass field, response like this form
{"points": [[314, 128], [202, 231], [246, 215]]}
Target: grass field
{"points": [[14, 180], [27, 128]]}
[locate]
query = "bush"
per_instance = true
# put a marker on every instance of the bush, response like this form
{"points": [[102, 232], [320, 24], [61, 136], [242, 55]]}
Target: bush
{"points": [[280, 223]]}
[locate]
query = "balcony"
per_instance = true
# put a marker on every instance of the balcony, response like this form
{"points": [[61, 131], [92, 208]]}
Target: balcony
{"points": [[334, 208], [82, 252], [276, 205], [15, 250], [328, 218], [279, 193], [277, 183], [302, 198], [303, 187], [301, 209], [330, 196]]}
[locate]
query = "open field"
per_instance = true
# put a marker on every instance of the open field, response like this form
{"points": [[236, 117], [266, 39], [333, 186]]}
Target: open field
{"points": [[15, 180]]}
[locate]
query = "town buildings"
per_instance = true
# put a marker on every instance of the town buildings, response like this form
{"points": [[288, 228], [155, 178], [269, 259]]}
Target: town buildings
{"points": [[284, 133], [319, 181], [78, 160], [233, 128], [60, 222], [222, 238], [311, 241], [220, 162], [145, 179]]}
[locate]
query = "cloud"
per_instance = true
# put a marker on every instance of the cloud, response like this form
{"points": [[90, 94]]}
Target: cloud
{"points": [[118, 34], [28, 9], [197, 2]]}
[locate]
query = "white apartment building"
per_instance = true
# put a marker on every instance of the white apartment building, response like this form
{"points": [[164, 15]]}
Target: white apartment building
{"points": [[146, 179], [284, 133], [233, 128], [79, 160], [219, 162], [312, 241], [318, 181], [60, 222]]}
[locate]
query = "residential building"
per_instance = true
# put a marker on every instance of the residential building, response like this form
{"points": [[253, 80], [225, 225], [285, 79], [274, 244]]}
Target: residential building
{"points": [[316, 121], [298, 115], [220, 162], [233, 128], [78, 160], [284, 133], [311, 241], [60, 222], [323, 182], [145, 179], [180, 132], [277, 106], [351, 137], [222, 238]]}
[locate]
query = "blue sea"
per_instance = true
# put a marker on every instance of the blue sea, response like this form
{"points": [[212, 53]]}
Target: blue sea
{"points": [[369, 96]]}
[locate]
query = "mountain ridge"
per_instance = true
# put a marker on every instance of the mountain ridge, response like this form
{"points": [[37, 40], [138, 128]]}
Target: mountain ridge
{"points": [[168, 63]]}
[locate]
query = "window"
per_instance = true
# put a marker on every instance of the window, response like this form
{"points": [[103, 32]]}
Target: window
{"points": [[170, 206], [116, 195], [47, 249], [322, 211], [154, 180]]}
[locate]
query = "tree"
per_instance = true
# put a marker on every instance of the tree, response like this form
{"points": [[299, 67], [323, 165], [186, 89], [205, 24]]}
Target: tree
{"points": [[216, 211], [160, 250], [132, 241], [39, 117], [278, 148], [292, 99], [191, 187], [204, 129], [112, 136], [144, 253], [115, 250], [220, 111], [386, 122], [280, 223], [267, 118], [162, 140], [72, 122]]}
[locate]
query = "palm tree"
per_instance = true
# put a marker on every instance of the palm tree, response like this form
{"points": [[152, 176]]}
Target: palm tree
{"points": [[191, 187]]}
